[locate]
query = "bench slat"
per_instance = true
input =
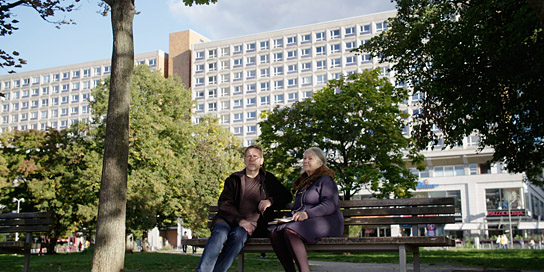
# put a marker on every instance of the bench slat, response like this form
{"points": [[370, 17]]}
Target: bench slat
{"points": [[397, 202], [26, 215], [399, 211], [399, 220], [26, 222], [25, 229]]}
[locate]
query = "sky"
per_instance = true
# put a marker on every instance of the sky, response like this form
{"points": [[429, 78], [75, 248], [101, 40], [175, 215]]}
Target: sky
{"points": [[90, 38]]}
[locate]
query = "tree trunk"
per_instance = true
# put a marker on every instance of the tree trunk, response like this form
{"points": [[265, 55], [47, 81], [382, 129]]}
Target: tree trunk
{"points": [[109, 253]]}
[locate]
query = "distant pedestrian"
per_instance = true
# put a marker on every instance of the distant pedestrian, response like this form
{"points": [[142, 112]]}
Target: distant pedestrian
{"points": [[184, 246], [193, 236]]}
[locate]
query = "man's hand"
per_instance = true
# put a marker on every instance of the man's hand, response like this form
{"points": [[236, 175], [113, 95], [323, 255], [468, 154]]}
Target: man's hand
{"points": [[263, 205], [247, 226], [300, 216]]}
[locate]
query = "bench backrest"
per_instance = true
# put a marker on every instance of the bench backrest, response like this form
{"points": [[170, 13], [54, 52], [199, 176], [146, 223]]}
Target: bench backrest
{"points": [[389, 211], [26, 222]]}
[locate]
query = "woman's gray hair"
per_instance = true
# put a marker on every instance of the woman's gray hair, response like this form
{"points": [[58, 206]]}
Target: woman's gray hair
{"points": [[319, 154]]}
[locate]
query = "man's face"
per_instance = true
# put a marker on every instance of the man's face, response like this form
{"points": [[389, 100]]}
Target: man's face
{"points": [[253, 159]]}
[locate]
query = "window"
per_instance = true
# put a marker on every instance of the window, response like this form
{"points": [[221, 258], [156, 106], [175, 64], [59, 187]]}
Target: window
{"points": [[225, 105], [54, 113], [152, 62], [306, 66], [278, 57], [7, 85], [320, 51], [292, 40], [335, 34], [238, 103], [237, 130], [321, 79], [278, 99], [292, 97], [64, 112], [278, 71], [107, 69], [250, 60], [212, 106], [251, 74], [264, 45], [199, 94], [225, 78], [24, 105], [86, 85], [225, 92], [320, 36], [212, 53], [24, 116], [199, 81], [45, 102], [5, 108], [278, 43], [250, 102], [264, 59], [336, 63], [265, 100], [36, 80], [237, 76], [212, 80], [265, 86], [25, 93], [85, 97], [366, 58], [75, 110], [225, 119], [307, 80], [199, 107], [97, 71], [237, 49], [237, 90], [225, 51], [237, 117], [305, 38], [265, 72], [335, 48], [384, 71], [35, 92], [292, 82], [305, 52], [212, 93], [199, 55], [278, 84], [350, 45], [321, 64], [291, 54], [237, 62], [35, 103], [212, 66], [381, 26], [292, 68], [251, 88], [350, 31], [75, 74], [250, 47], [449, 171], [5, 119], [351, 60], [365, 29], [15, 106], [224, 65], [251, 129], [502, 198], [54, 101], [87, 73]]}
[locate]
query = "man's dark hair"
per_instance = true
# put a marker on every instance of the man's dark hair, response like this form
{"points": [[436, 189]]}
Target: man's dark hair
{"points": [[255, 147]]}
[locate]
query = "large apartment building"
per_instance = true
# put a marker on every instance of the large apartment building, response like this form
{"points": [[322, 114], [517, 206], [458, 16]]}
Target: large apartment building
{"points": [[58, 97], [237, 79]]}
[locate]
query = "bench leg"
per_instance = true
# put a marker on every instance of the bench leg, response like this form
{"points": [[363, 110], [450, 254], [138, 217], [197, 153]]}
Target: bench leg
{"points": [[241, 262], [402, 258], [26, 266], [416, 260]]}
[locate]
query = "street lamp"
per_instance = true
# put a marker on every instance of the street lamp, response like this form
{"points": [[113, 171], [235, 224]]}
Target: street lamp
{"points": [[510, 200], [18, 206]]}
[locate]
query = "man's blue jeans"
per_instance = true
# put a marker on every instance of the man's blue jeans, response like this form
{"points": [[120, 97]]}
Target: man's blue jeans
{"points": [[217, 258]]}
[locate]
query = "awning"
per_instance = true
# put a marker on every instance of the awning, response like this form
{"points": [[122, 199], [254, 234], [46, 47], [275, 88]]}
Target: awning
{"points": [[531, 225], [464, 226]]}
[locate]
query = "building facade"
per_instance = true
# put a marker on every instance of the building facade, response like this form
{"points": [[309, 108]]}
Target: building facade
{"points": [[58, 97]]}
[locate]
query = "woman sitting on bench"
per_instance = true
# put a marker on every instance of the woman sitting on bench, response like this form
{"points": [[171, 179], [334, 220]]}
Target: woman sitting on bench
{"points": [[316, 213]]}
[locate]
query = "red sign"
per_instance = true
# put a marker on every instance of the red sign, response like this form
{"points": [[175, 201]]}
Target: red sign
{"points": [[492, 213]]}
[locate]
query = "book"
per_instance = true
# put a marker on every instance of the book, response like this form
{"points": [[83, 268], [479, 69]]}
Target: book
{"points": [[281, 220]]}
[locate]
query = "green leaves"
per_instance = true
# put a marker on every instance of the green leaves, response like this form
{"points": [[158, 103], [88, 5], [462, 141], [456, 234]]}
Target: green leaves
{"points": [[357, 122], [479, 67]]}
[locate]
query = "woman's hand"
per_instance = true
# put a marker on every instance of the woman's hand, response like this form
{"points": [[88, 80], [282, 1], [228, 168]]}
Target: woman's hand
{"points": [[300, 216]]}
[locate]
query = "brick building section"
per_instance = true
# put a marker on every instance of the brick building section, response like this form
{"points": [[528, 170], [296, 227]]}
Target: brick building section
{"points": [[179, 57]]}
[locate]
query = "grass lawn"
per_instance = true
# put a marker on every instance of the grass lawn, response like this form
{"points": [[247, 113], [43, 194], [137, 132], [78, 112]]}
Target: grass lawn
{"points": [[506, 259]]}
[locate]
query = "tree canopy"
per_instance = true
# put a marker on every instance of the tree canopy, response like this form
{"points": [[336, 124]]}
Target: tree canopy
{"points": [[479, 66], [358, 123]]}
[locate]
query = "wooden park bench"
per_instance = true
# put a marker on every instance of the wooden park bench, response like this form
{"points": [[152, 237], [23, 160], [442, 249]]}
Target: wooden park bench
{"points": [[370, 214], [28, 223]]}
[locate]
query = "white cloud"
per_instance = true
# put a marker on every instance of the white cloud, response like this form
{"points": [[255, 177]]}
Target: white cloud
{"points": [[233, 18]]}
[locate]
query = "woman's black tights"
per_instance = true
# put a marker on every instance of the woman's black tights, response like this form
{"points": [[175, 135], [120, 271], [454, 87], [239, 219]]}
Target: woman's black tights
{"points": [[288, 246]]}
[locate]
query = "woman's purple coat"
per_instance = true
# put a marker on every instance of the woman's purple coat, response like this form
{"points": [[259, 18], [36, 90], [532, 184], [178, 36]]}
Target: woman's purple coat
{"points": [[321, 201]]}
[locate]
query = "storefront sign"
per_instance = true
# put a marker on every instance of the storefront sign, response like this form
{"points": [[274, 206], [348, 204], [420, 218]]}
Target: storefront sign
{"points": [[425, 185], [494, 213]]}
